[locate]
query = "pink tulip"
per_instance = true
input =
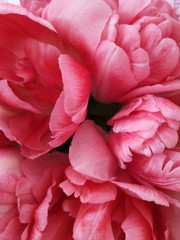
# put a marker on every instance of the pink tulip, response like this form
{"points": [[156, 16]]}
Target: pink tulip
{"points": [[138, 49], [131, 47], [111, 203], [40, 198], [146, 125], [124, 218], [44, 91]]}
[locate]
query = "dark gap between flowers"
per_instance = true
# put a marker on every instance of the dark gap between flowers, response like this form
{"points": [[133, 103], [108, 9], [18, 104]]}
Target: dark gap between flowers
{"points": [[100, 113]]}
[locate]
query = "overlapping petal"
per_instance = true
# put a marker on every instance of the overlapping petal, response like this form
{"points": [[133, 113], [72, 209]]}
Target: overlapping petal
{"points": [[32, 78], [146, 126], [91, 156]]}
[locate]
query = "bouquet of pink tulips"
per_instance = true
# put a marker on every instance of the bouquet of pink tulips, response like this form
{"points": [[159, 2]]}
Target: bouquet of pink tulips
{"points": [[89, 120]]}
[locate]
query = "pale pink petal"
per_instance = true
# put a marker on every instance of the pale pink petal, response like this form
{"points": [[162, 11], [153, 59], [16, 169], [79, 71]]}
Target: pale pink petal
{"points": [[164, 58], [139, 121], [70, 188], [112, 65], [163, 87], [136, 227], [128, 37], [162, 170], [128, 10], [166, 28], [94, 222], [146, 210], [90, 155], [34, 5], [77, 86], [126, 110], [10, 163], [83, 14], [175, 34], [145, 193], [140, 64], [98, 193], [168, 108], [75, 177], [91, 192], [119, 145], [150, 36]]}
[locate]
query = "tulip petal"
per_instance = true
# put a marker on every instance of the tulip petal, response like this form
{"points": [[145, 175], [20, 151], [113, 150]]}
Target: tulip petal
{"points": [[13, 16], [91, 156], [128, 10], [98, 193], [164, 58], [77, 86], [144, 192], [35, 6], [93, 222], [128, 37], [162, 170], [163, 87], [61, 124], [83, 14], [112, 66], [136, 227], [44, 58]]}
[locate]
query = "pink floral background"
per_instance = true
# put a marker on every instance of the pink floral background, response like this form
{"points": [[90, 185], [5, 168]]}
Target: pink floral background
{"points": [[89, 120]]}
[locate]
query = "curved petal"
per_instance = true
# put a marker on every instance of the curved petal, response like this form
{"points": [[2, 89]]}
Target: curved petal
{"points": [[164, 58], [45, 60], [94, 222], [140, 64], [150, 36], [14, 228], [163, 87], [89, 191], [136, 227], [162, 170], [113, 73], [128, 37], [61, 124], [146, 193], [34, 5], [128, 10], [37, 134], [98, 193], [91, 156], [83, 14], [29, 25], [77, 87], [9, 98]]}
